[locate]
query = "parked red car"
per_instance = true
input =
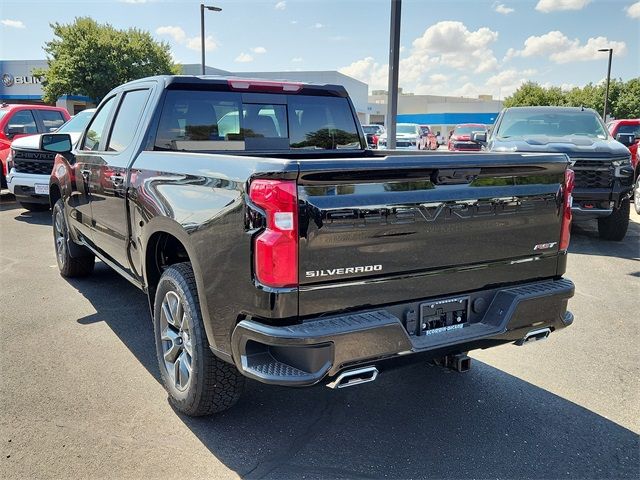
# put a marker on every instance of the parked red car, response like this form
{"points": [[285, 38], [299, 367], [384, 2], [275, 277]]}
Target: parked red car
{"points": [[20, 120], [428, 140], [631, 125], [460, 140]]}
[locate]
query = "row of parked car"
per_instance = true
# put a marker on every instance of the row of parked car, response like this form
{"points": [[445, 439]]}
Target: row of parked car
{"points": [[25, 169], [412, 136]]}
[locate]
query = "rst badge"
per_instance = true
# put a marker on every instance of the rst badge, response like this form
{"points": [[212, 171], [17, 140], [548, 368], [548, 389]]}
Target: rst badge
{"points": [[545, 246]]}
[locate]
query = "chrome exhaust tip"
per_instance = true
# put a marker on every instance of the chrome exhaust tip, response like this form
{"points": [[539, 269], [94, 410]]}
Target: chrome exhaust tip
{"points": [[534, 336], [351, 378]]}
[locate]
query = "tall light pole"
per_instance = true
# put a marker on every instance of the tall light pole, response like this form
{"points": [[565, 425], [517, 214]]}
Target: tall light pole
{"points": [[202, 8], [606, 94], [394, 65]]}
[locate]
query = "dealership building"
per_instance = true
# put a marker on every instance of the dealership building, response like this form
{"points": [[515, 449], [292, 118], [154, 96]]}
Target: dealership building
{"points": [[442, 113]]}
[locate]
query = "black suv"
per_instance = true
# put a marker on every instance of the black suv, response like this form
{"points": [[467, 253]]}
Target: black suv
{"points": [[602, 165]]}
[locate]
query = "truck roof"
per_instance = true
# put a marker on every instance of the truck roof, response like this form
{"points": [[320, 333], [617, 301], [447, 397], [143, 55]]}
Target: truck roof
{"points": [[243, 84], [552, 109]]}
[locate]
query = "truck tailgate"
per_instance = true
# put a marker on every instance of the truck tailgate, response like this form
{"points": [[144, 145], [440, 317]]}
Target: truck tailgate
{"points": [[378, 231]]}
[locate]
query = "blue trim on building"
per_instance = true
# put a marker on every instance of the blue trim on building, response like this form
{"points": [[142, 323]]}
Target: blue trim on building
{"points": [[448, 118], [20, 97]]}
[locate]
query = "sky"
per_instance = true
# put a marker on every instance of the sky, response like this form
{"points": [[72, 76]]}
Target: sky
{"points": [[454, 47]]}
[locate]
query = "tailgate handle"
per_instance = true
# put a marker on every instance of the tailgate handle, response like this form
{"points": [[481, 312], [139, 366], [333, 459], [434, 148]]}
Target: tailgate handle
{"points": [[455, 176]]}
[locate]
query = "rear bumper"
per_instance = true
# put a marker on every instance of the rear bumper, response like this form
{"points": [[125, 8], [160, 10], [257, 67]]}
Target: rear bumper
{"points": [[305, 354]]}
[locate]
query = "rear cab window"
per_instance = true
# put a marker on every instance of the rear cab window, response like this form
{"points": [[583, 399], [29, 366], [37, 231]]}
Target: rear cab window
{"points": [[196, 120]]}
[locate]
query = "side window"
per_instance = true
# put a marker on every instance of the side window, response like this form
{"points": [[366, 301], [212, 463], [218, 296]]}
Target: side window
{"points": [[52, 119], [22, 122], [93, 139], [127, 119]]}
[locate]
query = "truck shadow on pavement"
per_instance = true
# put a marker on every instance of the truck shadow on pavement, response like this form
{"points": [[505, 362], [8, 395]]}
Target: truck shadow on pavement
{"points": [[415, 422], [585, 241]]}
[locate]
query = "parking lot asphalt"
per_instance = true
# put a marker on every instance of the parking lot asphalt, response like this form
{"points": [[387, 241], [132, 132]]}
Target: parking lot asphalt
{"points": [[80, 395]]}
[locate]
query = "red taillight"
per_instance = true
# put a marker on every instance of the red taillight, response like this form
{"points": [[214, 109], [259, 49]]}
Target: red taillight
{"points": [[567, 202], [276, 249], [375, 139], [264, 86]]}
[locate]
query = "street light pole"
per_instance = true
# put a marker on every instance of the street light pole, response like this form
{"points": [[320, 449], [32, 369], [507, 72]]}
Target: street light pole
{"points": [[202, 8], [394, 64], [606, 94]]}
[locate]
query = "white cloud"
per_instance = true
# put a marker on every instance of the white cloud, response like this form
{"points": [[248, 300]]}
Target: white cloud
{"points": [[281, 5], [180, 37], [369, 71], [502, 8], [547, 6], [296, 60], [453, 44], [133, 1], [506, 82], [562, 49], [259, 50], [318, 25], [176, 33], [633, 10], [12, 23], [293, 22], [438, 78], [195, 43], [244, 58]]}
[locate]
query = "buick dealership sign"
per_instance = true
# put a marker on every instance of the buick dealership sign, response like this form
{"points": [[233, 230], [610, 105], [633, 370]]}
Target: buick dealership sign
{"points": [[9, 80]]}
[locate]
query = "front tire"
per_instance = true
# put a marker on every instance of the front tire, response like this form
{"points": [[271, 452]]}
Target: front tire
{"points": [[636, 195], [69, 266], [615, 226], [198, 383]]}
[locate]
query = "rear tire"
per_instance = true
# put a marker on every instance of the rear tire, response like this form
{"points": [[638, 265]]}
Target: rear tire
{"points": [[198, 382], [636, 195], [34, 207], [615, 226], [69, 266]]}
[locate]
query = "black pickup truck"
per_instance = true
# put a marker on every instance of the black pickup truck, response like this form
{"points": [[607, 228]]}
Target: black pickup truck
{"points": [[603, 173], [274, 245]]}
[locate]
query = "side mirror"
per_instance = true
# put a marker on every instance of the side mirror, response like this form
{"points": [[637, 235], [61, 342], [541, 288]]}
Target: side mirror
{"points": [[627, 139], [479, 137], [13, 130], [56, 142]]}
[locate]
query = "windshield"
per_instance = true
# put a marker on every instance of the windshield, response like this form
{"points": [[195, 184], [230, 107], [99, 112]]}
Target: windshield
{"points": [[370, 129], [77, 123], [553, 124], [411, 129], [469, 129]]}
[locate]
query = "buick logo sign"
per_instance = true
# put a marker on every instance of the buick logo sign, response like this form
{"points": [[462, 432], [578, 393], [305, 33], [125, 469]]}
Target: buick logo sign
{"points": [[7, 79]]}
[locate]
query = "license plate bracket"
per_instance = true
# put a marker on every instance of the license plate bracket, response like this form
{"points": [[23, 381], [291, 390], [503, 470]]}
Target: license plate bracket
{"points": [[443, 315]]}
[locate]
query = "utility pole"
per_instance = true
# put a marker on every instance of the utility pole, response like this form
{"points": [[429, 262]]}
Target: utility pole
{"points": [[394, 64], [606, 93], [202, 8]]}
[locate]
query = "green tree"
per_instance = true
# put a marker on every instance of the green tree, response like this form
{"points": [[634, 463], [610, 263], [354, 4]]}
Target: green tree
{"points": [[627, 104], [533, 94], [87, 58]]}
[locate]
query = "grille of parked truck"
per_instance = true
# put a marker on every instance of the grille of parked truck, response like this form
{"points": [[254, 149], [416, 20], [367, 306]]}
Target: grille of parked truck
{"points": [[274, 245]]}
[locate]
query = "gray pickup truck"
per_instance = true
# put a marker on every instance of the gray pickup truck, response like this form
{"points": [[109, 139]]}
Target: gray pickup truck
{"points": [[274, 245], [603, 173]]}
